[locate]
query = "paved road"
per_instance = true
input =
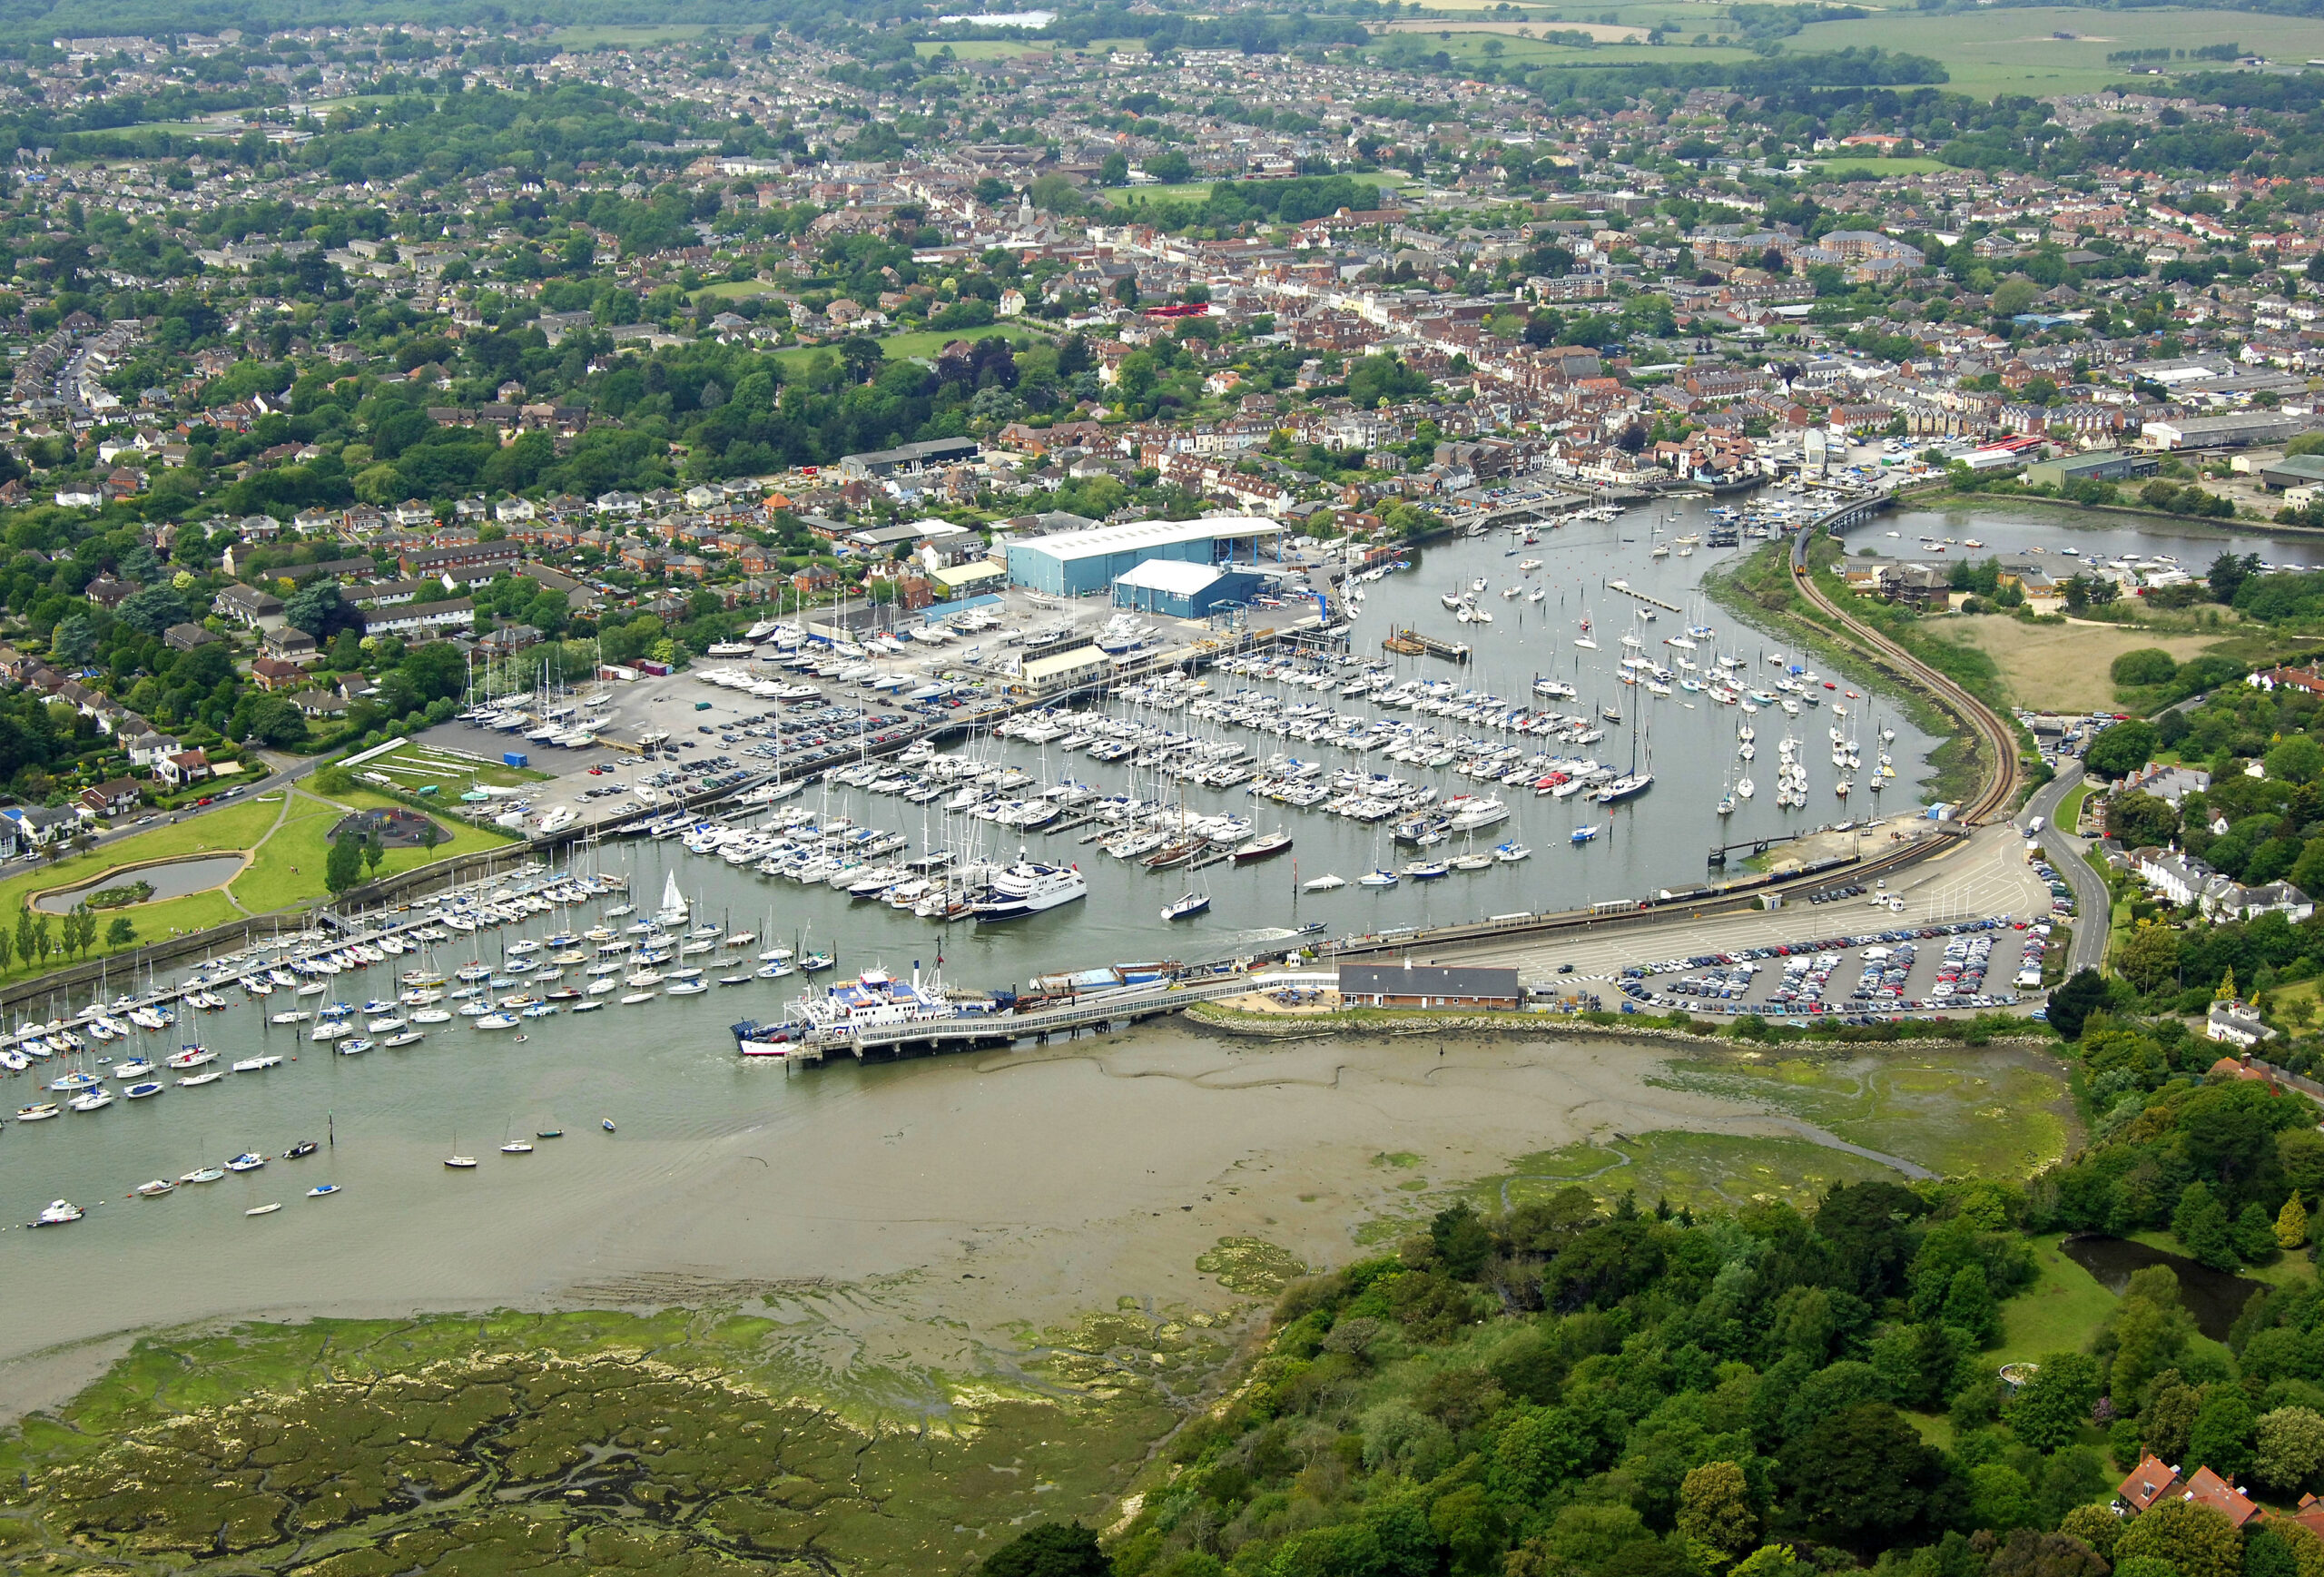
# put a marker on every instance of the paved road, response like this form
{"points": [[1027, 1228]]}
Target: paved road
{"points": [[2092, 903]]}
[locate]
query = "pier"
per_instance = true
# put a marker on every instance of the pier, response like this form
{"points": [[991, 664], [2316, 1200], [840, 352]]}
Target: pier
{"points": [[1106, 1013], [1627, 589], [1719, 851]]}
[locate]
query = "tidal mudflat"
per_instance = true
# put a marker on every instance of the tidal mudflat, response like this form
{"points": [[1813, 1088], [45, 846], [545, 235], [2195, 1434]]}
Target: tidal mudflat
{"points": [[957, 1296]]}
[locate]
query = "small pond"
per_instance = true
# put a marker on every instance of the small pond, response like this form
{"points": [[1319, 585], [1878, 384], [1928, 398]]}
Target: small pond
{"points": [[171, 879], [2214, 1298]]}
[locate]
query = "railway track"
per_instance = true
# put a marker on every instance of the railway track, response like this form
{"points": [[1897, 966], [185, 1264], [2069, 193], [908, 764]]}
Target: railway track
{"points": [[1996, 739]]}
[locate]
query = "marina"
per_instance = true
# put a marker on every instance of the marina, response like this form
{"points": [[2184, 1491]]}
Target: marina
{"points": [[1309, 793]]}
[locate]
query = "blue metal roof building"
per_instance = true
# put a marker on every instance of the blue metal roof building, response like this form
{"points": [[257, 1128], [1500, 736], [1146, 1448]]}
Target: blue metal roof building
{"points": [[1080, 563], [1179, 590]]}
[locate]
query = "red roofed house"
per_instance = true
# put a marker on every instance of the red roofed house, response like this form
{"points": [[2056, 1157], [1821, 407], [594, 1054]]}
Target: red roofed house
{"points": [[2208, 1489], [2154, 1480], [2148, 1482], [277, 674]]}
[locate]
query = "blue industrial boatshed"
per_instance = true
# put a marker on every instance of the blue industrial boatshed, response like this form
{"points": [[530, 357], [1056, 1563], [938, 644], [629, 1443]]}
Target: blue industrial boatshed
{"points": [[1178, 590], [1086, 563]]}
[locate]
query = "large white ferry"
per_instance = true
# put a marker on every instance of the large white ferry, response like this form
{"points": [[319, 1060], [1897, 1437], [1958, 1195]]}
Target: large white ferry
{"points": [[874, 1000], [1029, 887]]}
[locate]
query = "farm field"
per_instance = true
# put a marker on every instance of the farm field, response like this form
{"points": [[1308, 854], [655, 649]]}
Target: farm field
{"points": [[2059, 667], [2014, 52]]}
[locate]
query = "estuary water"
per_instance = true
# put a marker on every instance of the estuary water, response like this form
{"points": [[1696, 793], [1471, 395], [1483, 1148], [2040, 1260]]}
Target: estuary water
{"points": [[1079, 1171]]}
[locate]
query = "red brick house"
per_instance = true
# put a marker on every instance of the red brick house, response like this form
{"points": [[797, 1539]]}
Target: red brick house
{"points": [[277, 674], [113, 797]]}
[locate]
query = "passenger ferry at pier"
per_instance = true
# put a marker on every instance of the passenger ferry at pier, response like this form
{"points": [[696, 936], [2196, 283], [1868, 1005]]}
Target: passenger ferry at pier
{"points": [[874, 999]]}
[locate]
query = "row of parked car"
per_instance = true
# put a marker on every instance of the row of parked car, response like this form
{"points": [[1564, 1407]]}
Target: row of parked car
{"points": [[1726, 983]]}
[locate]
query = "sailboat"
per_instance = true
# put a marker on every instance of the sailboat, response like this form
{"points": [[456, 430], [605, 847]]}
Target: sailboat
{"points": [[1583, 640], [674, 902]]}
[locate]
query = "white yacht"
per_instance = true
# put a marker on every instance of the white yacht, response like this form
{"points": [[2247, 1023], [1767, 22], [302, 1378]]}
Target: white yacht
{"points": [[1029, 887]]}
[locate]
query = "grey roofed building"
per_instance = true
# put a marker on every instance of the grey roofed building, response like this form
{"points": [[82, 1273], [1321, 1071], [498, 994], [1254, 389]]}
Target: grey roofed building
{"points": [[1412, 985], [908, 457]]}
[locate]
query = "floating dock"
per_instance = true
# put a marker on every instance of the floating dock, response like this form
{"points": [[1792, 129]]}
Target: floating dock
{"points": [[1627, 589], [1411, 643]]}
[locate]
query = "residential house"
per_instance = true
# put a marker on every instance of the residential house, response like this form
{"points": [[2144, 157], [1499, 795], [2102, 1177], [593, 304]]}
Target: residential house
{"points": [[113, 797], [187, 637], [290, 643], [319, 704], [187, 766], [247, 605], [422, 619], [277, 674], [38, 826], [2152, 1480], [2170, 783], [468, 563]]}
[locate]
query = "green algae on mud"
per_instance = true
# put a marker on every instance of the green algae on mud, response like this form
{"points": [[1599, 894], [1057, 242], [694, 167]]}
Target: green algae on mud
{"points": [[1251, 1266], [1990, 1114], [669, 1442]]}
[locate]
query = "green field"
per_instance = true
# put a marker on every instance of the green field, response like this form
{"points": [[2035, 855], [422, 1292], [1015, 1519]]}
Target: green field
{"points": [[1881, 166], [590, 36], [415, 766], [983, 49], [920, 342], [2057, 1313], [2012, 50], [288, 866], [733, 290], [236, 827]]}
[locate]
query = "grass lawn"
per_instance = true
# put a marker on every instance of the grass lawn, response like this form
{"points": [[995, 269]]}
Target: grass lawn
{"points": [[983, 49], [1835, 167], [289, 868], [235, 828], [922, 343], [404, 764], [2013, 51], [2056, 1313], [735, 290], [595, 37], [268, 882], [2069, 815]]}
